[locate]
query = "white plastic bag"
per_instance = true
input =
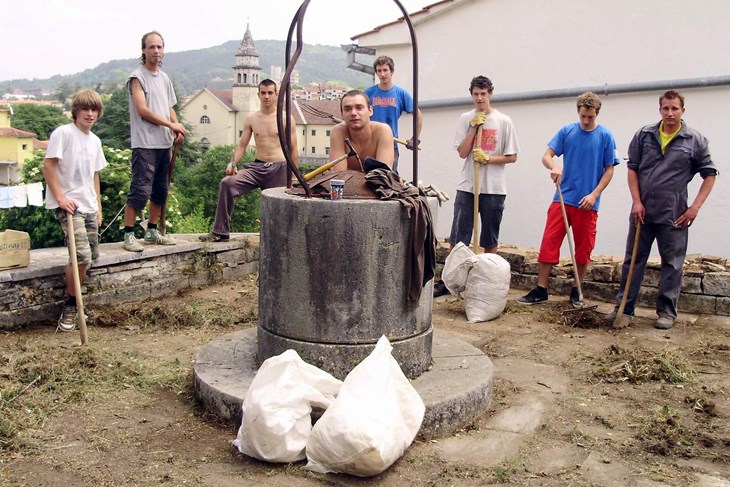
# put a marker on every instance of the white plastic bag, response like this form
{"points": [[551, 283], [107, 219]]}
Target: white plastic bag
{"points": [[375, 417], [487, 285], [456, 268], [277, 408]]}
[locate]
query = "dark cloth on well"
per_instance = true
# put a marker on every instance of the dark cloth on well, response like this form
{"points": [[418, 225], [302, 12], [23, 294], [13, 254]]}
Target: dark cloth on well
{"points": [[422, 248]]}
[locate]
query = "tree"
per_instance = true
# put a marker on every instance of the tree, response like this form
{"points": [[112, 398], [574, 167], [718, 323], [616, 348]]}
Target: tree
{"points": [[39, 119], [113, 127], [197, 187]]}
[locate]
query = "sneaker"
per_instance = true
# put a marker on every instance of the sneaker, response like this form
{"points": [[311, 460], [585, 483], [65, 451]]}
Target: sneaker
{"points": [[214, 237], [68, 319], [131, 243], [154, 237], [664, 322], [440, 289], [537, 295], [575, 300]]}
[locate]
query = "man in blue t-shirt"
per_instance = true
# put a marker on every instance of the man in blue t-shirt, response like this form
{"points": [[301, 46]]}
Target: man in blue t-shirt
{"points": [[389, 101], [589, 156]]}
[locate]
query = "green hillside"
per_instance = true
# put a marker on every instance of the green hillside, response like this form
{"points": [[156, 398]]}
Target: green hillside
{"points": [[211, 67]]}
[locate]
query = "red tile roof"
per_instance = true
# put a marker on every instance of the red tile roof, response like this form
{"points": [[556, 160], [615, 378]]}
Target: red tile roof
{"points": [[11, 132], [40, 144], [225, 96]]}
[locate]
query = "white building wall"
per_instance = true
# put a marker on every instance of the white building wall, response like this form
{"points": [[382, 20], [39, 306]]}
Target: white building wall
{"points": [[534, 45]]}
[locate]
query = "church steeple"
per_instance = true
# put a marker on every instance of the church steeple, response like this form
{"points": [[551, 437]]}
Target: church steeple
{"points": [[247, 71]]}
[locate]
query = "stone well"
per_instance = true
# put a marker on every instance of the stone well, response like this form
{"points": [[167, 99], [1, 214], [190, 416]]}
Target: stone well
{"points": [[332, 281]]}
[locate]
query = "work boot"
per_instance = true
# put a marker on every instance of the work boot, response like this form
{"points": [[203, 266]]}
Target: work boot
{"points": [[214, 237], [664, 322], [440, 289], [153, 237], [537, 295], [131, 243]]}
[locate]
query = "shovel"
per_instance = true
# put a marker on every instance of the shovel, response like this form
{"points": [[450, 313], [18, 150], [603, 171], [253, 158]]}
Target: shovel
{"points": [[477, 187], [622, 321], [77, 279], [570, 244]]}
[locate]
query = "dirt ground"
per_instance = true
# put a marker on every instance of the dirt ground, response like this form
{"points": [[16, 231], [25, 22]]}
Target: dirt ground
{"points": [[635, 406]]}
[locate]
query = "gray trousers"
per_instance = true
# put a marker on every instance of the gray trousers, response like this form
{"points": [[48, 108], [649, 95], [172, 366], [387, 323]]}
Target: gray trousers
{"points": [[258, 174], [672, 245]]}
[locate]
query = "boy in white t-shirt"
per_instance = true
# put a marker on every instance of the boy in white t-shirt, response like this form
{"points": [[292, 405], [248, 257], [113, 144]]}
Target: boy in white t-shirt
{"points": [[73, 160]]}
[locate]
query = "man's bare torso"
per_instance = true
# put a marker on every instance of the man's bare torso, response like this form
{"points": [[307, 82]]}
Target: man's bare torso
{"points": [[266, 137]]}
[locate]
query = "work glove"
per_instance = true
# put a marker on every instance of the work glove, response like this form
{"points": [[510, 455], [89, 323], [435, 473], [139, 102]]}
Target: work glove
{"points": [[478, 119], [480, 156], [410, 145], [432, 190]]}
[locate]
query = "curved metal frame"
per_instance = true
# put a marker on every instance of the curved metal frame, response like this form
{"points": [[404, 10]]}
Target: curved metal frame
{"points": [[290, 61]]}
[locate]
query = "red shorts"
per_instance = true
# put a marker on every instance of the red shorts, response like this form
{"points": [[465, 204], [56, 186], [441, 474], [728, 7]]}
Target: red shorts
{"points": [[583, 224]]}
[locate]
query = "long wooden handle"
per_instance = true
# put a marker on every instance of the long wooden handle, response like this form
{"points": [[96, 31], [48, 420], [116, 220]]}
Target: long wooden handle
{"points": [[627, 286], [569, 232], [325, 167], [162, 224], [321, 169], [477, 187], [77, 278]]}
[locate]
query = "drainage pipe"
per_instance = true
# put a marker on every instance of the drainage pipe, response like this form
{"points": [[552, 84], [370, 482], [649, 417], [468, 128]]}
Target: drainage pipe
{"points": [[605, 90]]}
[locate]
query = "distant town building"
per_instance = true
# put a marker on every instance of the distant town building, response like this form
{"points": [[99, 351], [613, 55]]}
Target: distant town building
{"points": [[320, 91], [277, 74], [16, 147], [217, 115]]}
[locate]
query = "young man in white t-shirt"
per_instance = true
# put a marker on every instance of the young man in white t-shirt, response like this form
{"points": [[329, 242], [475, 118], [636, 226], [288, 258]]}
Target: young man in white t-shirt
{"points": [[73, 160], [497, 147]]}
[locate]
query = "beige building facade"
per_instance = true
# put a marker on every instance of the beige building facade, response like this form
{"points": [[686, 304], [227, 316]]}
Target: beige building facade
{"points": [[16, 147], [217, 115]]}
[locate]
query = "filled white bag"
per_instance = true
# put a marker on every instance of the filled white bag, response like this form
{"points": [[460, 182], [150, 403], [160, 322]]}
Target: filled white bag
{"points": [[375, 417], [277, 408], [487, 285], [456, 268]]}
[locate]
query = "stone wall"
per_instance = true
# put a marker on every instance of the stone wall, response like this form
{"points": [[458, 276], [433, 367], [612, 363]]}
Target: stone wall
{"points": [[34, 294], [705, 284]]}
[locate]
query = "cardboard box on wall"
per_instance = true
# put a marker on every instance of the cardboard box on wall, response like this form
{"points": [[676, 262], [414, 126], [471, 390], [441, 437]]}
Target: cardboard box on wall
{"points": [[14, 249]]}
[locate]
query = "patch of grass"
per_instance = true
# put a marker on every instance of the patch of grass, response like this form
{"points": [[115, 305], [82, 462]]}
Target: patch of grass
{"points": [[36, 381], [508, 471], [641, 365], [665, 434]]}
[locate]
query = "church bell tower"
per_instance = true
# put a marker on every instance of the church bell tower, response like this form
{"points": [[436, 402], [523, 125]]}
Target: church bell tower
{"points": [[246, 78]]}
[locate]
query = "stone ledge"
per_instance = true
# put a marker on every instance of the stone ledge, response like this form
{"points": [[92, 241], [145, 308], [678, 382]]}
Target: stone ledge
{"points": [[34, 294]]}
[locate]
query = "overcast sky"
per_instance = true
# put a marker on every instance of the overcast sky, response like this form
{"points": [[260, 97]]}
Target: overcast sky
{"points": [[41, 38]]}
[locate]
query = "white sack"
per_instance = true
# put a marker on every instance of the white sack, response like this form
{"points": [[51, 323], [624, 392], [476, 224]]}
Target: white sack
{"points": [[487, 285], [375, 417], [456, 268], [277, 409]]}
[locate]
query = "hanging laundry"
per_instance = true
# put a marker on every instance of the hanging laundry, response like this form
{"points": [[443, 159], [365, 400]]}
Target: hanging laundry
{"points": [[35, 194]]}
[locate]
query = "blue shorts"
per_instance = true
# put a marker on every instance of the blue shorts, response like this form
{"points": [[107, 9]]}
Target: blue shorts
{"points": [[149, 177], [491, 208]]}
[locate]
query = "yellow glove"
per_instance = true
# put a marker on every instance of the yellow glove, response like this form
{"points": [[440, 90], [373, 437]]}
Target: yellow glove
{"points": [[478, 119], [480, 156]]}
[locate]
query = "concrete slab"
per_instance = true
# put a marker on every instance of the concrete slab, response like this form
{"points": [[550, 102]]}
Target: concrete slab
{"points": [[456, 390], [487, 449]]}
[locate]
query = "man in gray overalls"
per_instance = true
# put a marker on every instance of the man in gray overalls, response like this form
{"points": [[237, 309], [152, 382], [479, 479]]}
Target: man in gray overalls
{"points": [[663, 159]]}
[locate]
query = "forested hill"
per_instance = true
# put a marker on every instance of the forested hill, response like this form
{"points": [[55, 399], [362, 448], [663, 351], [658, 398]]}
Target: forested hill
{"points": [[211, 67]]}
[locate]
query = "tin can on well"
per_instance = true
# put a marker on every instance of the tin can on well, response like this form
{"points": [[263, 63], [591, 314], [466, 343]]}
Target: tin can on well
{"points": [[337, 188]]}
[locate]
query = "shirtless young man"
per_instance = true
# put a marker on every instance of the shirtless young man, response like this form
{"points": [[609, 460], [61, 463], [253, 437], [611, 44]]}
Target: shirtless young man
{"points": [[269, 170], [368, 138]]}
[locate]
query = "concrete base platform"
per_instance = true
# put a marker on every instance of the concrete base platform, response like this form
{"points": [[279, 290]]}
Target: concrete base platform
{"points": [[456, 390]]}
